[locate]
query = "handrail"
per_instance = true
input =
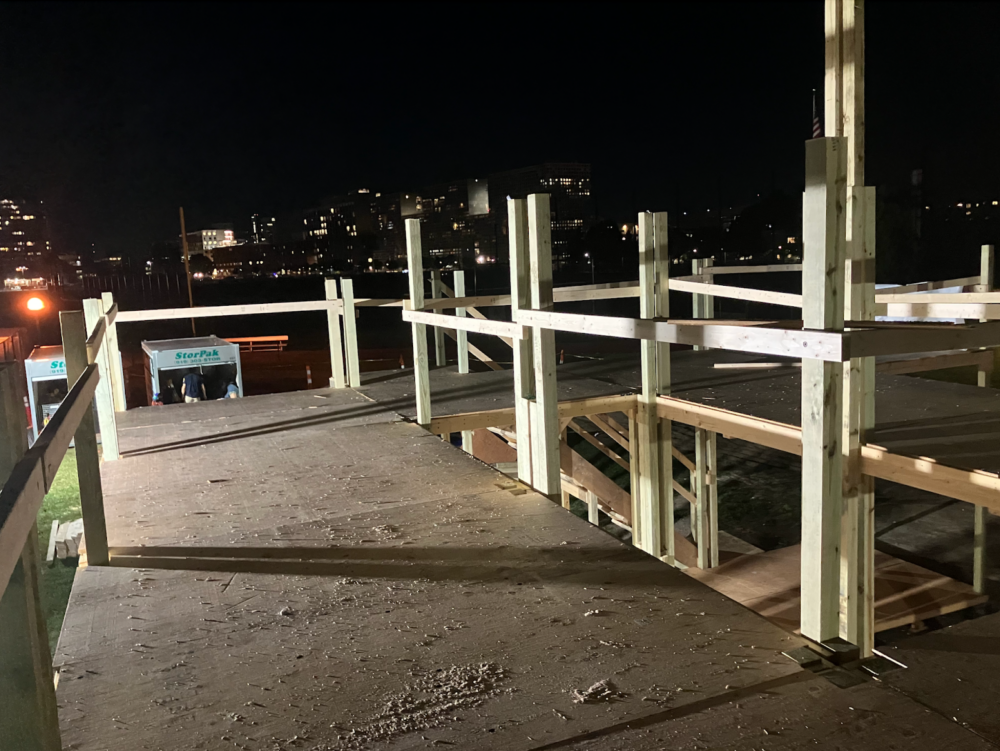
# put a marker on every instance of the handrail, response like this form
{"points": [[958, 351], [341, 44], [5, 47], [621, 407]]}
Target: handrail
{"points": [[24, 491], [96, 339]]}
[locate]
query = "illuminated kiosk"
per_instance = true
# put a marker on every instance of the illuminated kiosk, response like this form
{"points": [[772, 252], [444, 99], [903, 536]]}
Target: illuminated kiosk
{"points": [[45, 370], [167, 361]]}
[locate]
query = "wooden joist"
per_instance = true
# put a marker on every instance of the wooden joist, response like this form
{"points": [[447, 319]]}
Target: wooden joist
{"points": [[475, 325], [166, 314]]}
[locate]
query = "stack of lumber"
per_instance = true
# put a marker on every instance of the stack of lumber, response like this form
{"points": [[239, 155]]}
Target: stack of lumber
{"points": [[64, 540]]}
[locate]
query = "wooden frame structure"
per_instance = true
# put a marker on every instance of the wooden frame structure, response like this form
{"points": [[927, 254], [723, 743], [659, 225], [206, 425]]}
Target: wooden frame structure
{"points": [[836, 340]]}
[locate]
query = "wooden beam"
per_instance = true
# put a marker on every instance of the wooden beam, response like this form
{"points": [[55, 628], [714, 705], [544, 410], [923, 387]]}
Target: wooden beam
{"points": [[704, 513], [897, 340], [575, 426], [96, 339], [463, 337], [421, 374], [167, 314], [700, 289], [767, 269], [476, 325], [591, 478], [965, 281], [822, 385], [88, 465], [977, 358], [114, 352], [93, 313], [338, 379], [570, 408], [819, 345], [954, 298], [545, 417]]}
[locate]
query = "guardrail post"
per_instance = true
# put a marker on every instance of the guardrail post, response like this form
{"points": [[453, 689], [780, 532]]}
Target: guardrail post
{"points": [[987, 269], [524, 366], [462, 342], [115, 356], [440, 359], [702, 306], [93, 310], [351, 333], [338, 379], [421, 375], [545, 408], [822, 388], [29, 719], [88, 463]]}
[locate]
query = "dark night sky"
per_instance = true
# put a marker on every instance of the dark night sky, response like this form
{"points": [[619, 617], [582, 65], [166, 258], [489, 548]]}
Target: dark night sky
{"points": [[114, 115]]}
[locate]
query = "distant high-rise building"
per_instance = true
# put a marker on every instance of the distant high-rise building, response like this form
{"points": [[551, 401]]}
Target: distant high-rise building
{"points": [[24, 240], [452, 221], [206, 240], [261, 229], [571, 203]]}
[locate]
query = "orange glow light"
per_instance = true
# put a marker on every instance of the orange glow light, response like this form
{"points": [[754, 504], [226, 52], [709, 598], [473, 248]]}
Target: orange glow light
{"points": [[35, 303]]}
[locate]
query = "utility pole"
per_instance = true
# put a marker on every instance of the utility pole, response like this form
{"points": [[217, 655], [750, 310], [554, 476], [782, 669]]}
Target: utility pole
{"points": [[187, 268]]}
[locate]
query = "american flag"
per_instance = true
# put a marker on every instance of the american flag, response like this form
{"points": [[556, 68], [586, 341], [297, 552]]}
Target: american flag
{"points": [[817, 131]]}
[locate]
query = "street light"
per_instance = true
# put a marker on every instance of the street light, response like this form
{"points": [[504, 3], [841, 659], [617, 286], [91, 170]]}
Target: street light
{"points": [[36, 304]]}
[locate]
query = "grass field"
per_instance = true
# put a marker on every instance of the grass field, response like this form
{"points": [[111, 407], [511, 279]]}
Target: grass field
{"points": [[62, 503]]}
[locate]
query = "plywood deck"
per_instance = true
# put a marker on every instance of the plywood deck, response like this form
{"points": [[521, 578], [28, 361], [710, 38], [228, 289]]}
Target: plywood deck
{"points": [[768, 583], [330, 577]]}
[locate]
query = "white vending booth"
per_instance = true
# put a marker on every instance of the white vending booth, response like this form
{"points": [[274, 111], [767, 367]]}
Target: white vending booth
{"points": [[45, 369], [169, 360]]}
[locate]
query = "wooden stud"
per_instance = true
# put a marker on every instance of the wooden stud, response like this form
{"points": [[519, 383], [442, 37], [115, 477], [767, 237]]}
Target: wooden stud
{"points": [[545, 428], [440, 359], [350, 333], [481, 326], [524, 367], [421, 375], [987, 271], [88, 465], [29, 719], [705, 512], [216, 311], [593, 507], [339, 378], [983, 377], [822, 389], [463, 338], [115, 357], [93, 312]]}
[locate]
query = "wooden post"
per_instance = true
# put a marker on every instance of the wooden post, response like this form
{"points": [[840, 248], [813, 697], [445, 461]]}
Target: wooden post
{"points": [[462, 343], [339, 379], [351, 333], [706, 511], [987, 269], [702, 306], [845, 49], [822, 389], [545, 425], [440, 358], [461, 337], [593, 508], [421, 374], [93, 310], [88, 463], [115, 356], [524, 368], [187, 269], [29, 719], [655, 491]]}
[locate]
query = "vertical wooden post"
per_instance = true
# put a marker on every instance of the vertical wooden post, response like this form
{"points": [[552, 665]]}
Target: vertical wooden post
{"points": [[545, 425], [440, 358], [634, 479], [421, 374], [29, 719], [93, 310], [702, 306], [351, 332], [706, 512], [822, 389], [655, 490], [524, 368], [115, 356], [462, 343], [88, 463], [338, 379], [593, 509], [987, 269], [845, 45]]}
